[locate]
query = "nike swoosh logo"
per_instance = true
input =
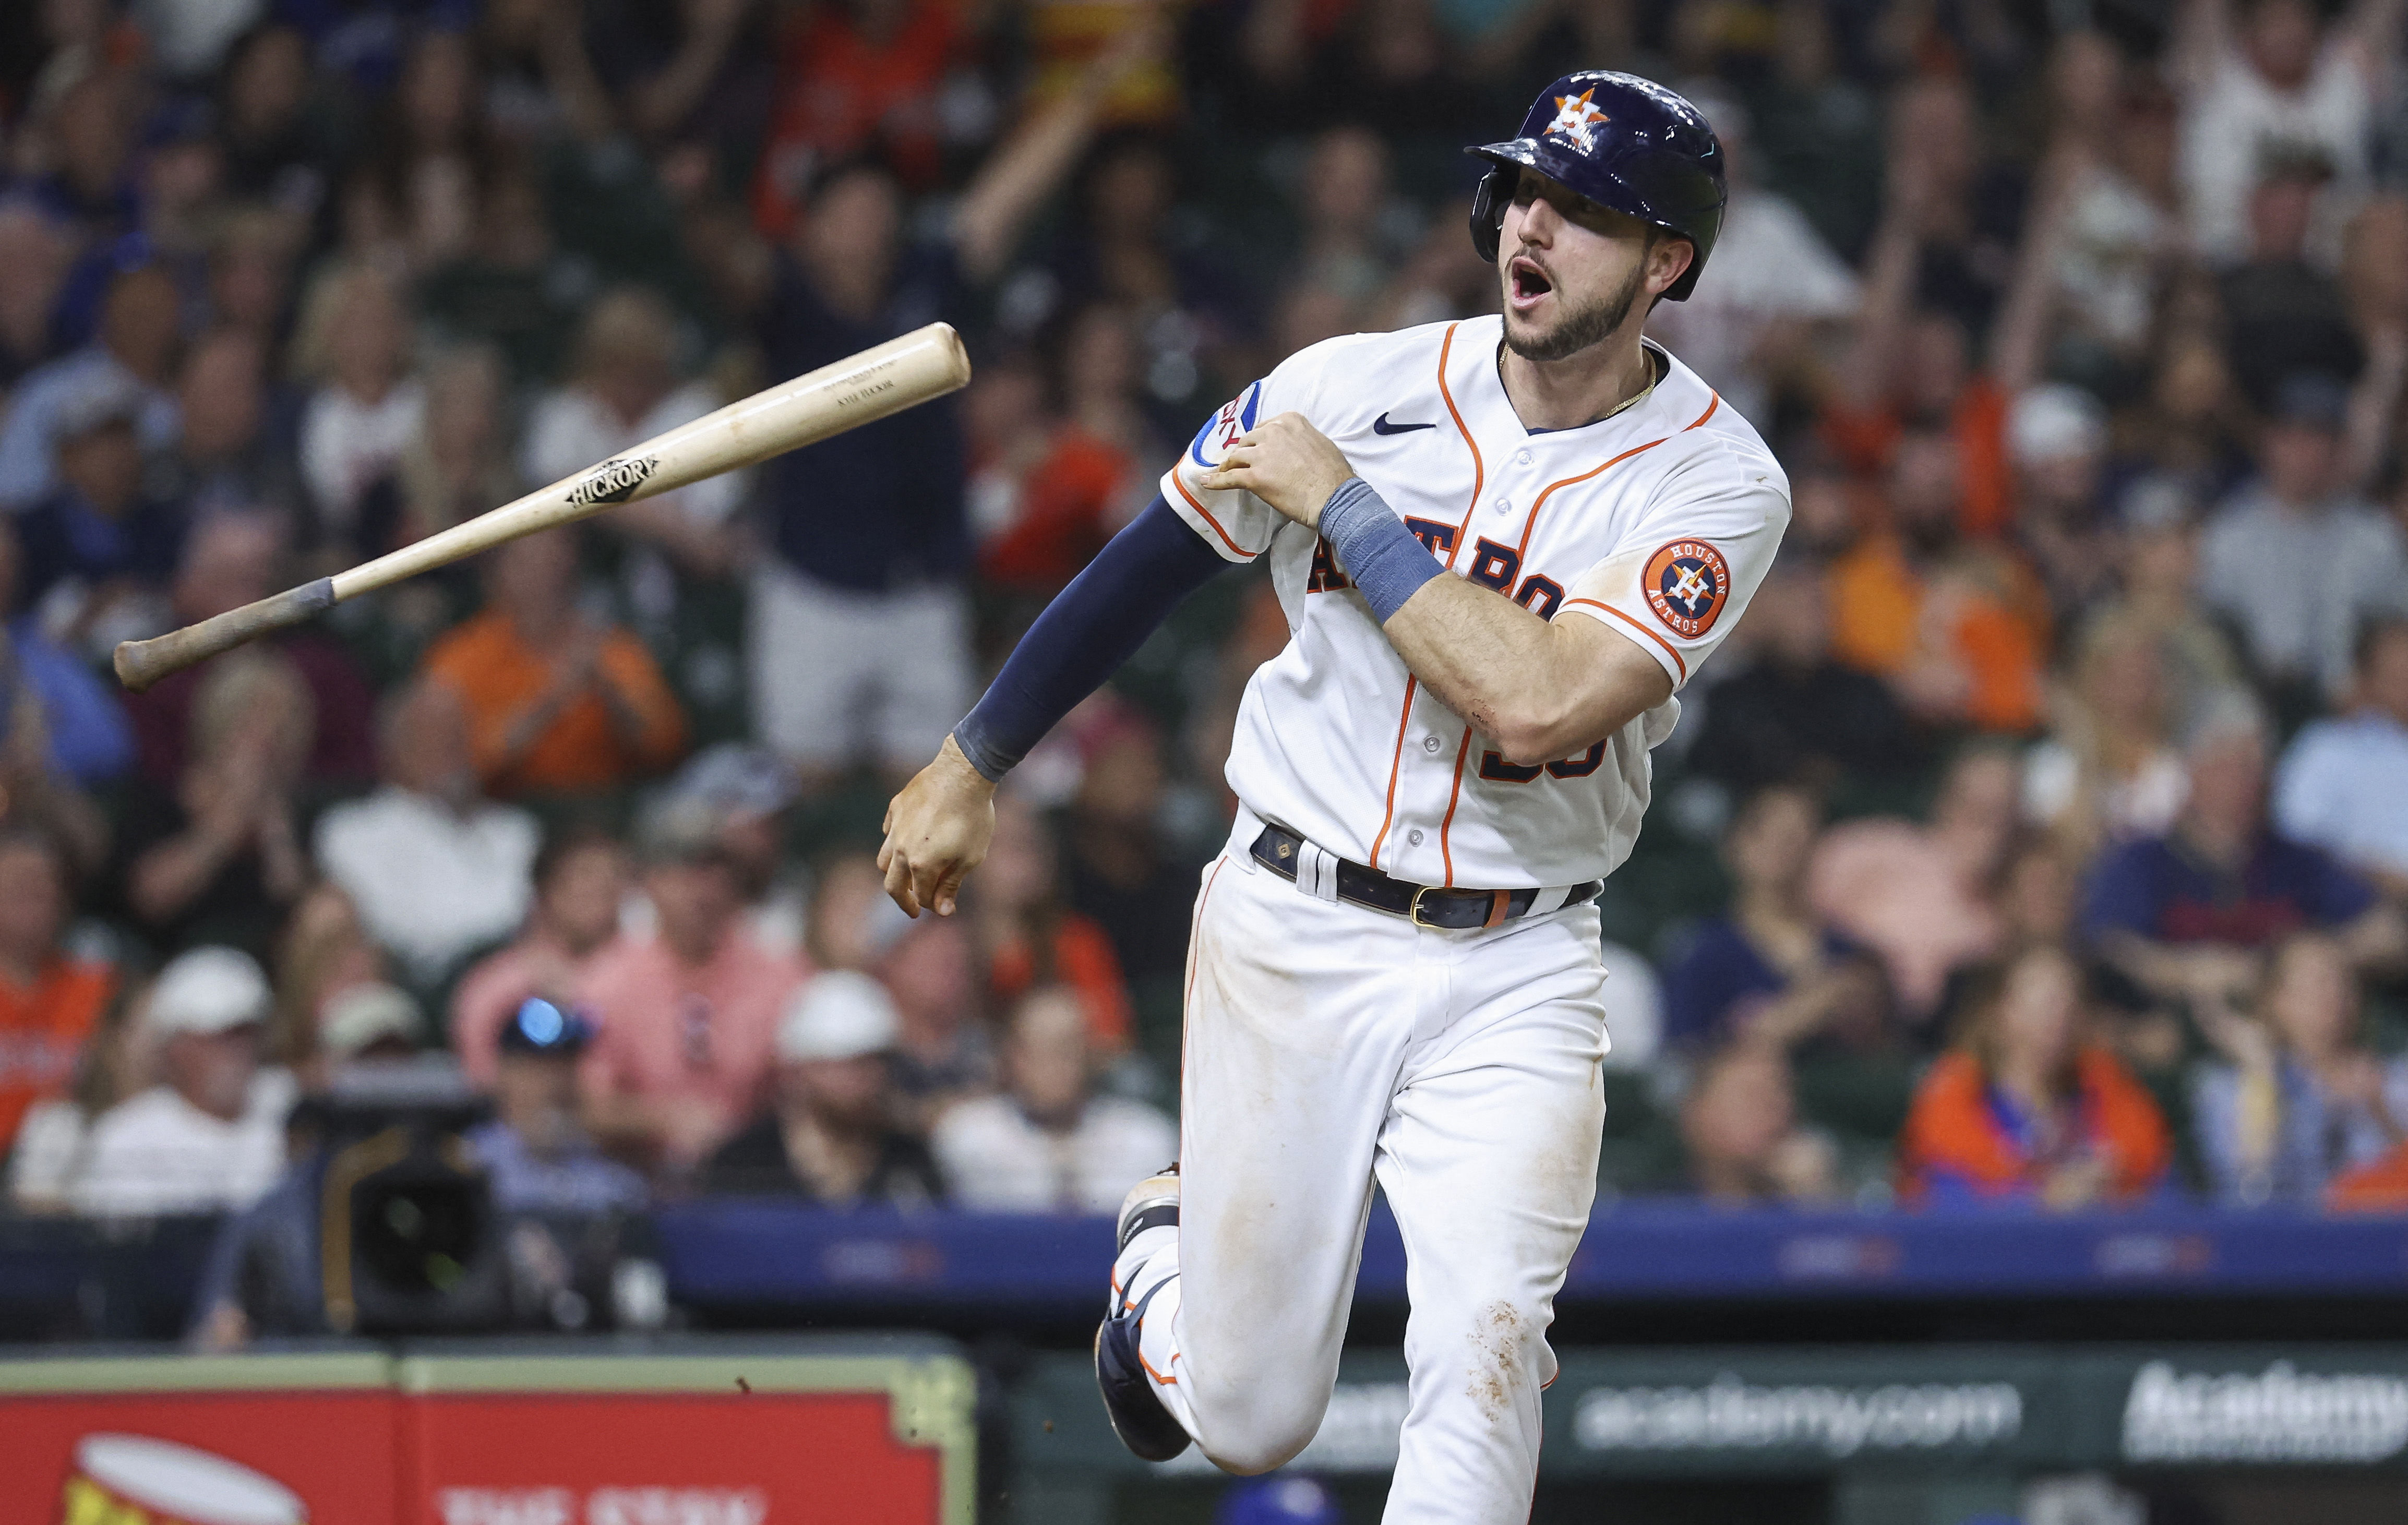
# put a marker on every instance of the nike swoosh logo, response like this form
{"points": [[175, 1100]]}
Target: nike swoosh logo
{"points": [[1382, 426]]}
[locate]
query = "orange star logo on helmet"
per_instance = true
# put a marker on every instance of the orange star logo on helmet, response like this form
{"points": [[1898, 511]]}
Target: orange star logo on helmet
{"points": [[1576, 121]]}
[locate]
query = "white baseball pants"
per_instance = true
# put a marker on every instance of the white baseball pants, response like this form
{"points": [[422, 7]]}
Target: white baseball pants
{"points": [[1327, 1044]]}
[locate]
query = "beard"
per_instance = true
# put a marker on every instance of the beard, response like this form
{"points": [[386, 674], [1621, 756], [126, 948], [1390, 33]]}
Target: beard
{"points": [[1579, 327]]}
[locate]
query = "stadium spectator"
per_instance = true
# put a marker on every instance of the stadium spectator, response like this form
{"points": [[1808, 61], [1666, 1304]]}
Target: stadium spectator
{"points": [[1198, 318], [230, 560], [1041, 490], [1769, 970], [2122, 229], [266, 143], [98, 550], [1794, 712], [850, 79], [1924, 897], [370, 1023], [1959, 627], [622, 390], [438, 871], [2109, 771], [1778, 287], [34, 252], [52, 1000], [536, 1148], [579, 876], [1354, 233], [749, 791], [1741, 1136], [2187, 914], [869, 527], [91, 129], [1027, 937], [427, 144], [2296, 525], [1818, 131], [2343, 786], [86, 736], [225, 459], [354, 343], [2275, 73], [135, 356], [2026, 1108], [511, 292], [2195, 656], [830, 1137], [250, 289], [942, 1050], [2301, 1099], [558, 703], [2284, 313], [321, 952], [688, 1018], [851, 924], [119, 1059], [211, 1134], [217, 858], [1048, 1143], [1121, 870], [458, 464], [2057, 441], [1046, 490]]}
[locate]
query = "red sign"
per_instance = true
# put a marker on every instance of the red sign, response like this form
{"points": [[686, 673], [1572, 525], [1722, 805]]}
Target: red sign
{"points": [[475, 1441], [200, 1459], [665, 1459]]}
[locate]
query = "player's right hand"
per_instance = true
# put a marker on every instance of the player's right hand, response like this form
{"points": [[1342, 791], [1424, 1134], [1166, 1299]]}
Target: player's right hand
{"points": [[936, 831]]}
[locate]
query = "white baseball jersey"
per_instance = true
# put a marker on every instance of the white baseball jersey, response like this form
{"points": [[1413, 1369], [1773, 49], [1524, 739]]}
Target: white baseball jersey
{"points": [[1659, 522]]}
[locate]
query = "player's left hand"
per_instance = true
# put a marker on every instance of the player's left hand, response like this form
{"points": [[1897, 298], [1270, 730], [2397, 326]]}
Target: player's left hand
{"points": [[1286, 463]]}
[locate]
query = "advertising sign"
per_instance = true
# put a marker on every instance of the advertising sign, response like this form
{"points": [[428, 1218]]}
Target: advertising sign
{"points": [[705, 1440], [701, 1432], [196, 1441]]}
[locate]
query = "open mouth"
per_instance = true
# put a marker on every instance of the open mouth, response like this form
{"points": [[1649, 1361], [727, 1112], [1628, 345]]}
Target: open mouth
{"points": [[1529, 283]]}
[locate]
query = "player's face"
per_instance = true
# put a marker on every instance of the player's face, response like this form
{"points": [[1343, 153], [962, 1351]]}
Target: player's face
{"points": [[1573, 270]]}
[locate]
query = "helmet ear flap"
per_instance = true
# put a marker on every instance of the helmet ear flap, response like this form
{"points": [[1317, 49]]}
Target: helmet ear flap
{"points": [[1488, 204]]}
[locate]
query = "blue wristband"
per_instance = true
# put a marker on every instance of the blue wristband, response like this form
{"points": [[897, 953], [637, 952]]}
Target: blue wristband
{"points": [[1387, 563]]}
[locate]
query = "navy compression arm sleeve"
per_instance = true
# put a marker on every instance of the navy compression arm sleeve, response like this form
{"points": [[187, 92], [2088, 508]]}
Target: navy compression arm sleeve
{"points": [[1087, 633]]}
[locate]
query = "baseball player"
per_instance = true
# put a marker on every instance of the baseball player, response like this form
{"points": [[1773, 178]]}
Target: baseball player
{"points": [[1502, 544]]}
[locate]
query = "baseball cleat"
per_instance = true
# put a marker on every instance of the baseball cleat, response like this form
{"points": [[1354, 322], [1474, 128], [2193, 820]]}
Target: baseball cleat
{"points": [[1151, 1203], [1145, 1426]]}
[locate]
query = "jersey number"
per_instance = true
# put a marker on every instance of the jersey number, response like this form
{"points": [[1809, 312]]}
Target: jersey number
{"points": [[1493, 766]]}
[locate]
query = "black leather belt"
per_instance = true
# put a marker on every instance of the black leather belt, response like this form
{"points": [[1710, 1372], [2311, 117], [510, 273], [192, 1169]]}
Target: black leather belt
{"points": [[1277, 848]]}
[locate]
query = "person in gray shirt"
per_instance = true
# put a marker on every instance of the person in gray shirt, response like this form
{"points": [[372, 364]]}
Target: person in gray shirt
{"points": [[2295, 558]]}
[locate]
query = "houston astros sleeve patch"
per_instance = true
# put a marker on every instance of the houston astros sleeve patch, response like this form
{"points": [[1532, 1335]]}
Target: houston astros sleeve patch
{"points": [[1686, 583]]}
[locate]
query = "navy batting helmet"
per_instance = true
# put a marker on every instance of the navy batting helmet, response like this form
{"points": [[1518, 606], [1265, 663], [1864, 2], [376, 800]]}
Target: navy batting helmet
{"points": [[1623, 142]]}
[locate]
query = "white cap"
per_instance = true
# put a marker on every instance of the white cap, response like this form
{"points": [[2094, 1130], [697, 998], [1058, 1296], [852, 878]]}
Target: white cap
{"points": [[2055, 421], [839, 1015], [208, 990], [367, 1014]]}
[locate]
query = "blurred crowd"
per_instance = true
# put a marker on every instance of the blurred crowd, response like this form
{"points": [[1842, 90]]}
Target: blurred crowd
{"points": [[2041, 838]]}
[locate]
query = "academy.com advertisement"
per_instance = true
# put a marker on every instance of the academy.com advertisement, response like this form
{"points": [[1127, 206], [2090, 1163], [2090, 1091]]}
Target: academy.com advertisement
{"points": [[876, 1443]]}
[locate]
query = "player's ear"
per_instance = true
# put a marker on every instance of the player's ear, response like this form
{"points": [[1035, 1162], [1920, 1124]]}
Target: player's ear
{"points": [[1668, 260]]}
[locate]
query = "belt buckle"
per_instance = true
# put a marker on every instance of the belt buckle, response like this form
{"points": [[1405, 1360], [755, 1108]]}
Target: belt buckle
{"points": [[1413, 910]]}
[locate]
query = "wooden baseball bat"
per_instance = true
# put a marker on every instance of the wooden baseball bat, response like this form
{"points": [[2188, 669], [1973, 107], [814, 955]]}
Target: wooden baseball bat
{"points": [[902, 373]]}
